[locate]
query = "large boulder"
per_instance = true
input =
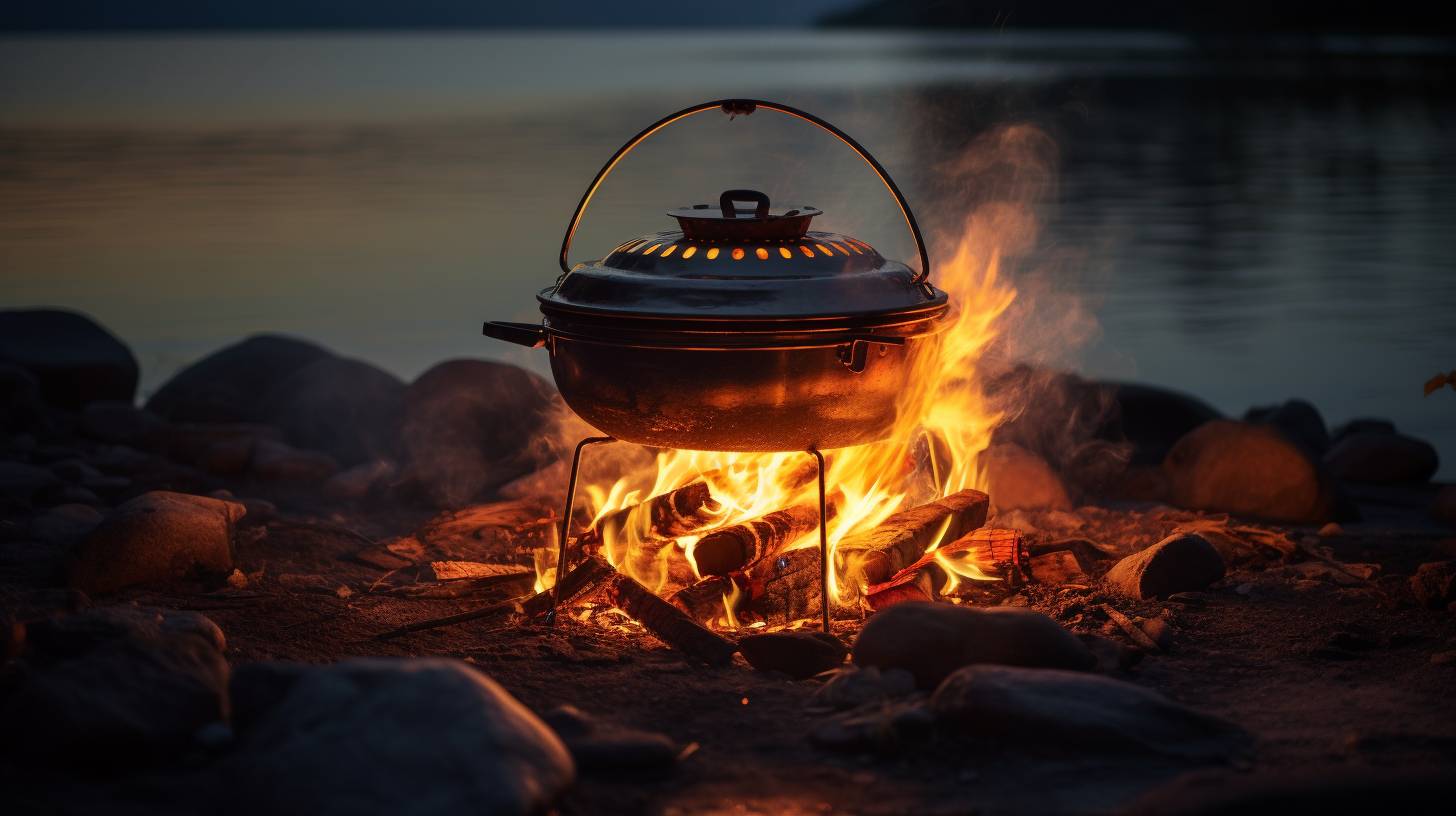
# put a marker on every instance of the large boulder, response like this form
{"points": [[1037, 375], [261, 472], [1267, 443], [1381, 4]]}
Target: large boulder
{"points": [[157, 536], [21, 406], [1153, 419], [121, 423], [73, 359], [1381, 457], [1018, 479], [232, 384], [1299, 421], [346, 408], [471, 425], [1184, 562], [1052, 710], [1253, 470], [425, 736], [931, 640], [113, 686]]}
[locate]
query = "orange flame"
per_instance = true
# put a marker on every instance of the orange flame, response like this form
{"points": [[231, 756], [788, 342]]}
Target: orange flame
{"points": [[945, 423]]}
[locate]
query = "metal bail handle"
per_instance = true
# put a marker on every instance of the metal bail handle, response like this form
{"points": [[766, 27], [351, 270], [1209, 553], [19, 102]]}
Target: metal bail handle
{"points": [[744, 107]]}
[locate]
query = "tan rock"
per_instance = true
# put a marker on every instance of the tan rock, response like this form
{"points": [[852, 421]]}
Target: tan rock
{"points": [[157, 536], [1236, 467]]}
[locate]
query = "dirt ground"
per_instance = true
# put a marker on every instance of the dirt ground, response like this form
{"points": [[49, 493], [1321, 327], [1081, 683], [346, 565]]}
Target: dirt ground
{"points": [[1333, 677]]}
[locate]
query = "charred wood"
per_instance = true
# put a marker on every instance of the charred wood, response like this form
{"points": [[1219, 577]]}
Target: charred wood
{"points": [[668, 623]]}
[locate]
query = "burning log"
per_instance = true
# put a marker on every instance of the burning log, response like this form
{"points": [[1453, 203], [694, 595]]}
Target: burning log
{"points": [[786, 586], [670, 624], [704, 600], [583, 578], [729, 548], [874, 556], [675, 513]]}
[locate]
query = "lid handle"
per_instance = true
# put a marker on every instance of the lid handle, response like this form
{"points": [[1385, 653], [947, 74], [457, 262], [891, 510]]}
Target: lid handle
{"points": [[744, 107], [725, 203]]}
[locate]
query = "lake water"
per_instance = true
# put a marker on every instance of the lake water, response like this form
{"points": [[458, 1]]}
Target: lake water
{"points": [[1247, 229]]}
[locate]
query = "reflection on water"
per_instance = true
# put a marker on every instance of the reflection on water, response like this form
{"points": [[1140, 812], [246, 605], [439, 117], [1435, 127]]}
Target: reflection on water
{"points": [[1248, 230]]}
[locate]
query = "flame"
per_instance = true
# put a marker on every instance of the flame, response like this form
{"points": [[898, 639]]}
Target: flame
{"points": [[944, 425]]}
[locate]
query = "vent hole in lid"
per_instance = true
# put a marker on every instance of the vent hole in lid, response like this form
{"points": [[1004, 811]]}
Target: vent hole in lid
{"points": [[653, 248], [856, 249], [785, 253], [673, 248], [737, 253], [839, 247], [808, 253], [712, 253], [820, 247], [689, 252], [761, 253]]}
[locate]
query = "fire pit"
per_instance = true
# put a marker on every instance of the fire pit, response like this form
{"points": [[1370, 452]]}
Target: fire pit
{"points": [[741, 331]]}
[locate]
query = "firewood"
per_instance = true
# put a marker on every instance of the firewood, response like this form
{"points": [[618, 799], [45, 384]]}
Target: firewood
{"points": [[675, 513], [906, 586], [727, 549], [502, 608], [1056, 568], [459, 570], [874, 556], [785, 587], [668, 623], [1132, 630], [585, 577], [704, 600]]}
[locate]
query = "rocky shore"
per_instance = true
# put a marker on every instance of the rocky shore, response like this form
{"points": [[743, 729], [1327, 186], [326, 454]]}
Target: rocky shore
{"points": [[190, 590]]}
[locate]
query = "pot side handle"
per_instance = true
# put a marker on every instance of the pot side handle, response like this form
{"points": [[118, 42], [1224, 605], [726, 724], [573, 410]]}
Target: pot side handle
{"points": [[744, 107], [530, 335]]}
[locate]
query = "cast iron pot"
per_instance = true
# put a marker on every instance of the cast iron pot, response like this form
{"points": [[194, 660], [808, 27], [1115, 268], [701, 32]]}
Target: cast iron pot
{"points": [[740, 331]]}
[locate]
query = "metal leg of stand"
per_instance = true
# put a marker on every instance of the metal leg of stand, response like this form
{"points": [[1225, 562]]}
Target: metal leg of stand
{"points": [[565, 529], [824, 599]]}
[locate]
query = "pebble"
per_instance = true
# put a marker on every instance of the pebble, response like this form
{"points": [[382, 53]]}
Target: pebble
{"points": [[932, 640]]}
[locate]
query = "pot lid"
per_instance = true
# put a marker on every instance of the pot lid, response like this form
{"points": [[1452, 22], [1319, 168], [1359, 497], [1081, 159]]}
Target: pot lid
{"points": [[730, 263]]}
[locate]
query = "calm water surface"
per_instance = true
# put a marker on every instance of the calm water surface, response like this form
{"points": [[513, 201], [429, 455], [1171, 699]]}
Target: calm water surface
{"points": [[1248, 230]]}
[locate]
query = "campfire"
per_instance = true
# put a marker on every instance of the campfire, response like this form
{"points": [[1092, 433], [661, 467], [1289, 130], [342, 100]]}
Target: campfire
{"points": [[844, 479]]}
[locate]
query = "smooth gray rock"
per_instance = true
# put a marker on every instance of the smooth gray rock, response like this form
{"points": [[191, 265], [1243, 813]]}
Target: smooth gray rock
{"points": [[1346, 790], [882, 729], [21, 406], [471, 425], [157, 536], [232, 384], [597, 745], [65, 524], [931, 640], [797, 654], [1382, 458], [1055, 710], [113, 685], [854, 686], [121, 423], [1184, 562], [21, 480], [389, 736], [73, 359], [348, 409], [280, 462], [1253, 470]]}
